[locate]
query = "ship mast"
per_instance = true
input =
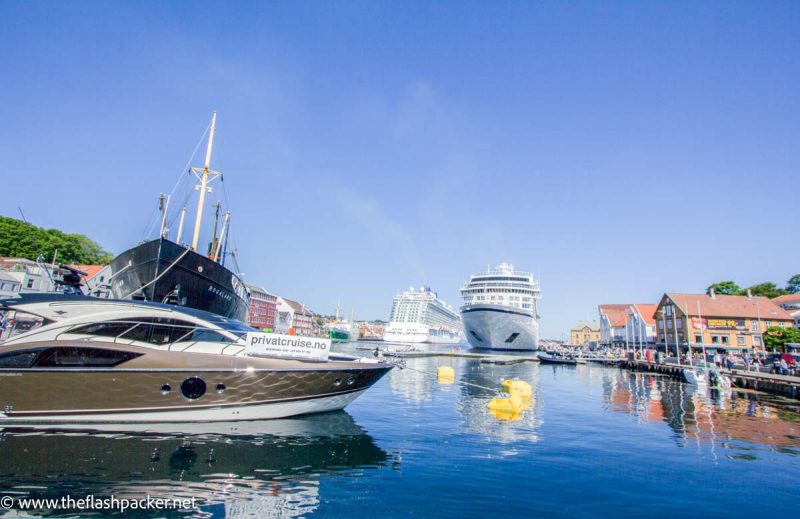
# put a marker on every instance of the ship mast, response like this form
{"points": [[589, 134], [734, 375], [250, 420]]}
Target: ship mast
{"points": [[205, 175]]}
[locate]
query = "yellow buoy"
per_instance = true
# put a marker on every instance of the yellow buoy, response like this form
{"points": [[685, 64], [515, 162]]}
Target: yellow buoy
{"points": [[504, 415], [517, 387], [512, 404], [446, 375]]}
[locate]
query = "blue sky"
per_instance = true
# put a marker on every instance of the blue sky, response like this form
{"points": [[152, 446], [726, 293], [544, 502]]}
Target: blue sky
{"points": [[616, 149]]}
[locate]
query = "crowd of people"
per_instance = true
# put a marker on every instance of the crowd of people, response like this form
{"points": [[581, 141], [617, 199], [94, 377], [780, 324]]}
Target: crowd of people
{"points": [[778, 363]]}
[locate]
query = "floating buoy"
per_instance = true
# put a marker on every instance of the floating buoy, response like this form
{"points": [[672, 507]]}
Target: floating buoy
{"points": [[504, 415], [446, 375], [517, 387], [510, 405]]}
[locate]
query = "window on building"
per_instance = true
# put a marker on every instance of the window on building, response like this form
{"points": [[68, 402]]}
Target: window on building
{"points": [[30, 283], [668, 310], [754, 326], [782, 324], [698, 338], [725, 339], [740, 340], [715, 339], [660, 325], [756, 340]]}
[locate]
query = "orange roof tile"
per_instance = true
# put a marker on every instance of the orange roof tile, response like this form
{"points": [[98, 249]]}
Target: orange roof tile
{"points": [[788, 298], [730, 306], [648, 312], [617, 314], [90, 270]]}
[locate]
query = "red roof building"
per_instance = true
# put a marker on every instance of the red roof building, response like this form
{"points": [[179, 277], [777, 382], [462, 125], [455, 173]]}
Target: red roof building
{"points": [[719, 321], [263, 308]]}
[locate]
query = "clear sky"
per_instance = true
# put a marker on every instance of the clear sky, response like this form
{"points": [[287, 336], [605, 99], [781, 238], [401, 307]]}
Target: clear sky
{"points": [[616, 149]]}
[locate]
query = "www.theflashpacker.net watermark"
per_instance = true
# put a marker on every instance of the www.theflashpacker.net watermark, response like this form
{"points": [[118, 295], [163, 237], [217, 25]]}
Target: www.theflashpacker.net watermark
{"points": [[91, 502]]}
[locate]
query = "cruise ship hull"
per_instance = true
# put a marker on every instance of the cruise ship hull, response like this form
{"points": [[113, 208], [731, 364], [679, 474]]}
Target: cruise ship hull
{"points": [[410, 333], [499, 327]]}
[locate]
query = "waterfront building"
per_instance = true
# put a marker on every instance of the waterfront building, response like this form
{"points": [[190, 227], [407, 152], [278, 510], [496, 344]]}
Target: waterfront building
{"points": [[9, 285], [640, 325], [717, 321], [585, 333], [790, 303], [613, 322], [294, 318], [262, 309], [371, 331], [97, 281], [30, 275]]}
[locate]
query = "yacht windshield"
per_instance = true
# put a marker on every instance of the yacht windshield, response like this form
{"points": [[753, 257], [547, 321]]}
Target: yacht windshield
{"points": [[15, 322], [154, 330]]}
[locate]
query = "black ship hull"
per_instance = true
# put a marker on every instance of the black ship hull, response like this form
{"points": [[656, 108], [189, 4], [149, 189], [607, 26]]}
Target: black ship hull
{"points": [[165, 272]]}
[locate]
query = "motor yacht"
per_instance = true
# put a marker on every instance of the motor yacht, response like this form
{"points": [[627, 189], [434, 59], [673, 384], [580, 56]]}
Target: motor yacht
{"points": [[89, 360]]}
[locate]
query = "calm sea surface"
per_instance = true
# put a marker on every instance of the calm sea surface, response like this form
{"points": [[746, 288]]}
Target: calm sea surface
{"points": [[594, 442]]}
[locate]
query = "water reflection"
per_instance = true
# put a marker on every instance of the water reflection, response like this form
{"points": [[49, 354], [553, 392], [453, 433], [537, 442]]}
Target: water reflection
{"points": [[482, 383], [716, 418], [476, 384], [243, 469]]}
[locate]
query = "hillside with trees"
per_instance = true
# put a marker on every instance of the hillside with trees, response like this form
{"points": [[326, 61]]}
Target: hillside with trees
{"points": [[767, 289], [19, 239]]}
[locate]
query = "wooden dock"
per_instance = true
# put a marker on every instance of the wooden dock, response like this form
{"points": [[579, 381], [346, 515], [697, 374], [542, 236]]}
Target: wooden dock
{"points": [[767, 382]]}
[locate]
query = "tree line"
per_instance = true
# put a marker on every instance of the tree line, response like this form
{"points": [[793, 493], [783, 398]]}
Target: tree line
{"points": [[20, 239], [768, 289]]}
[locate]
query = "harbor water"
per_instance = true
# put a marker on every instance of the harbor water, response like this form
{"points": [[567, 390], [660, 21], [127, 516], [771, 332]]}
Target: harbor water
{"points": [[593, 441]]}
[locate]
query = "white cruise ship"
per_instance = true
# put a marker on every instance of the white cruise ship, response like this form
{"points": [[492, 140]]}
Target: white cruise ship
{"points": [[420, 316], [500, 309]]}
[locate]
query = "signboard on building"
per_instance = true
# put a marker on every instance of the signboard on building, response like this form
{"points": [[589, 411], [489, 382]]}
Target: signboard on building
{"points": [[724, 324], [294, 346]]}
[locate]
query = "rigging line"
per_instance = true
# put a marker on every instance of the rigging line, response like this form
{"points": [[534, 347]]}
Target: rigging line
{"points": [[182, 205], [181, 177], [185, 252]]}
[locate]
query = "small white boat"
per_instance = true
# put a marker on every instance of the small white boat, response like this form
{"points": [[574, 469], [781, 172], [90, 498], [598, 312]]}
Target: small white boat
{"points": [[696, 376]]}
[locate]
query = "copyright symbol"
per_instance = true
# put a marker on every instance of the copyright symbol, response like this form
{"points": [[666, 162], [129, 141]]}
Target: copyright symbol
{"points": [[6, 502]]}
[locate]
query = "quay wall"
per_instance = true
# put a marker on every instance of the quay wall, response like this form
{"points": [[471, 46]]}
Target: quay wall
{"points": [[767, 382]]}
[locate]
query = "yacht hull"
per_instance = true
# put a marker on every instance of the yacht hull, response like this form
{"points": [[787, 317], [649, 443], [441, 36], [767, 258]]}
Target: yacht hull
{"points": [[262, 411], [152, 270], [499, 327], [151, 388]]}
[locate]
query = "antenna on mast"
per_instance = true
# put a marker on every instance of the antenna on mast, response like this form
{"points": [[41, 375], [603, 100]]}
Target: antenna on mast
{"points": [[205, 175]]}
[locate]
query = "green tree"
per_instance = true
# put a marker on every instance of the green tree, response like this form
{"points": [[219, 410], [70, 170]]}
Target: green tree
{"points": [[776, 337], [726, 288], [19, 239], [793, 285], [770, 290]]}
